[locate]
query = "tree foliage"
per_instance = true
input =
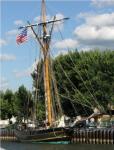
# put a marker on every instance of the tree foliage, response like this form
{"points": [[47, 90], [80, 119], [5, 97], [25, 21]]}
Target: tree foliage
{"points": [[84, 80], [87, 79], [17, 103], [24, 102]]}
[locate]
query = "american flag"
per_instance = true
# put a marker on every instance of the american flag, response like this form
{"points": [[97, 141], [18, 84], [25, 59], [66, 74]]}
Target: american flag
{"points": [[22, 37]]}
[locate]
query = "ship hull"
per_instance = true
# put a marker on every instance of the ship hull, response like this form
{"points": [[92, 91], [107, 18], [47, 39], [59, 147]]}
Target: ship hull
{"points": [[47, 135]]}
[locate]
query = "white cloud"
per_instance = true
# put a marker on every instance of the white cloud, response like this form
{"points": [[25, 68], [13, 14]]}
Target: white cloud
{"points": [[2, 42], [26, 72], [98, 19], [91, 32], [67, 43], [96, 31], [48, 17], [38, 18], [61, 52], [3, 83], [59, 16], [85, 49], [18, 22], [23, 73], [7, 57], [12, 32], [102, 3]]}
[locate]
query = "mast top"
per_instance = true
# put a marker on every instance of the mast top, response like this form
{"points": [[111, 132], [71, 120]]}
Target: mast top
{"points": [[44, 22]]}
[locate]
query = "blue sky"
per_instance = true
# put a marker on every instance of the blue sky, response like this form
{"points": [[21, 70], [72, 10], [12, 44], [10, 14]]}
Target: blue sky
{"points": [[91, 25]]}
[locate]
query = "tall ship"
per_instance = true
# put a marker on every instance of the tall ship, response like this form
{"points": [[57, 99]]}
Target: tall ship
{"points": [[54, 128]]}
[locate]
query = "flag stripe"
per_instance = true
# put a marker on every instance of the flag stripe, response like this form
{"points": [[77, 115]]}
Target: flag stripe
{"points": [[22, 37]]}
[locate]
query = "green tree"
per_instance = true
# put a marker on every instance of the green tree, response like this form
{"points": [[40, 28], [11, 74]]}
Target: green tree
{"points": [[7, 104], [24, 102], [86, 79]]}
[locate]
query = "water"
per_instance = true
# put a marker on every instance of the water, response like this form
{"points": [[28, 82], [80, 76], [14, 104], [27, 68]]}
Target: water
{"points": [[36, 146]]}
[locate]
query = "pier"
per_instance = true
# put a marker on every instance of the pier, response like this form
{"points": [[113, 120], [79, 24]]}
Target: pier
{"points": [[82, 136], [93, 136], [7, 135]]}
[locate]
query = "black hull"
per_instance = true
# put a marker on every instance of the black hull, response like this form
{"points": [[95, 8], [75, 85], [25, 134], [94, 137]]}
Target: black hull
{"points": [[47, 135]]}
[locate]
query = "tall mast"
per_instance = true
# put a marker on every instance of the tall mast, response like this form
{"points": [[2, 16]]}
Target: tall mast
{"points": [[44, 42], [45, 49]]}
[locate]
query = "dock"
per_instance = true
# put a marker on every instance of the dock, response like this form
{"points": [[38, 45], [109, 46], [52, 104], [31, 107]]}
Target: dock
{"points": [[81, 136], [93, 136], [7, 135]]}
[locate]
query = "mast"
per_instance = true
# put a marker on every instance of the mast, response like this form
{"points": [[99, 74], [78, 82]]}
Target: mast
{"points": [[44, 42], [45, 49]]}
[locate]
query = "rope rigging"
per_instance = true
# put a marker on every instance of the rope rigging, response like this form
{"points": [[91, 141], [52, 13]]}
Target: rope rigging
{"points": [[83, 100], [77, 71], [73, 86]]}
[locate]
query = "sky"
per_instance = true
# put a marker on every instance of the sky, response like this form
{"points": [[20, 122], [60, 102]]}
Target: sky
{"points": [[91, 25]]}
